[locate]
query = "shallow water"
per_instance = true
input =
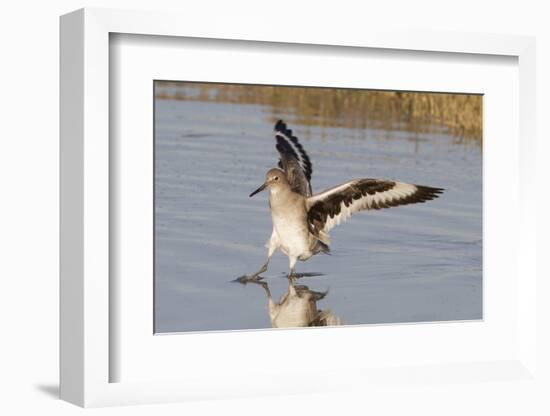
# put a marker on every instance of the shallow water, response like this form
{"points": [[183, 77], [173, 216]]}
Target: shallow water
{"points": [[413, 263]]}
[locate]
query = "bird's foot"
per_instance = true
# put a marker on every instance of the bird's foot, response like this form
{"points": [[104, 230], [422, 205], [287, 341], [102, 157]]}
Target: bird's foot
{"points": [[300, 275], [249, 278]]}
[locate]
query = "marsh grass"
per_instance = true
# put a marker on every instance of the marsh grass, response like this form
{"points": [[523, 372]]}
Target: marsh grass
{"points": [[457, 114]]}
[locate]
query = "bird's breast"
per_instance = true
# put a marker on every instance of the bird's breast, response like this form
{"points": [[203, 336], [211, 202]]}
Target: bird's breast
{"points": [[290, 221]]}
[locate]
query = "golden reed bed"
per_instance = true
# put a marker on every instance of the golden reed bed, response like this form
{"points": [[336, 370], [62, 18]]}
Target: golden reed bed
{"points": [[458, 114]]}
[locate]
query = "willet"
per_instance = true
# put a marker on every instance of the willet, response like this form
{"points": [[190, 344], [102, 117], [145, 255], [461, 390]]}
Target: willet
{"points": [[302, 221], [298, 308]]}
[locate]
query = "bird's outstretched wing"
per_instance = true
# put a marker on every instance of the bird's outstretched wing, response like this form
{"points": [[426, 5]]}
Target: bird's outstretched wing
{"points": [[294, 160], [328, 209]]}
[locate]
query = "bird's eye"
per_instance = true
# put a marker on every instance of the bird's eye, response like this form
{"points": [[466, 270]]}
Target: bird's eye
{"points": [[276, 178]]}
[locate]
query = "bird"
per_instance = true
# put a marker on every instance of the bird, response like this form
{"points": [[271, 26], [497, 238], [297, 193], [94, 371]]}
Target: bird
{"points": [[302, 220], [298, 307]]}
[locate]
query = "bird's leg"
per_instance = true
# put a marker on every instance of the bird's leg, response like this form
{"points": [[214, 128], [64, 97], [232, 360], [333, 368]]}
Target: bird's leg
{"points": [[266, 288], [270, 250], [256, 276], [291, 287], [291, 274], [264, 285], [262, 269]]}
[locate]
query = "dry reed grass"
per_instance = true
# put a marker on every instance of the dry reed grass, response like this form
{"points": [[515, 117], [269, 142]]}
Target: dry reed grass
{"points": [[458, 114]]}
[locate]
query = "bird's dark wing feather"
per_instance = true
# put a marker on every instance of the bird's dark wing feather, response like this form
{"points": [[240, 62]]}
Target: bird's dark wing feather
{"points": [[336, 205], [294, 160]]}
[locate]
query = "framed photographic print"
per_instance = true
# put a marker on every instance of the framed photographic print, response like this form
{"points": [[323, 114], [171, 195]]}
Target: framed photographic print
{"points": [[411, 265], [221, 196]]}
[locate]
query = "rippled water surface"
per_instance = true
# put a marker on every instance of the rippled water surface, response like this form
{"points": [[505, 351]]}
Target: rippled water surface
{"points": [[413, 263]]}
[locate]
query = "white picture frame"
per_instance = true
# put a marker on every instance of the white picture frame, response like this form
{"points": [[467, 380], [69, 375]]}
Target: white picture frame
{"points": [[87, 355]]}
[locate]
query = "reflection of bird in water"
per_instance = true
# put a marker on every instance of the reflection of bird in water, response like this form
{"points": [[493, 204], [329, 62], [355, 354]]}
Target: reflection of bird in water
{"points": [[302, 221], [298, 308]]}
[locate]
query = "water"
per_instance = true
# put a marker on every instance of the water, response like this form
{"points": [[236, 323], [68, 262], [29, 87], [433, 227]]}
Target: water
{"points": [[406, 264]]}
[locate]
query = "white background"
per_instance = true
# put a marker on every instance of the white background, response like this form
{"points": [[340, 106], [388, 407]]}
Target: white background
{"points": [[29, 205]]}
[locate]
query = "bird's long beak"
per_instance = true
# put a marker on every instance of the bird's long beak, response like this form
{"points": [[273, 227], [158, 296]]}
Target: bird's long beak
{"points": [[260, 189]]}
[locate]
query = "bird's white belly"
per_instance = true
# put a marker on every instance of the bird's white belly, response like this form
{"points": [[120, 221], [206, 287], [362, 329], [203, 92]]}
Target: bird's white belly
{"points": [[293, 236]]}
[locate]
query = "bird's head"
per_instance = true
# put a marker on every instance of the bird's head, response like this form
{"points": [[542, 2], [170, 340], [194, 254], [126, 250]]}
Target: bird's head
{"points": [[275, 179]]}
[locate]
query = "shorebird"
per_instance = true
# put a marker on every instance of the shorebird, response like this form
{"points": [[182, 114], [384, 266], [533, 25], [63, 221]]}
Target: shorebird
{"points": [[302, 221], [298, 308]]}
